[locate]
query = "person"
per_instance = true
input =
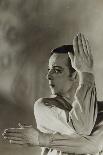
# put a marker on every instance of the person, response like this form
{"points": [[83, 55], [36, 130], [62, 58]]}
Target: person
{"points": [[69, 120]]}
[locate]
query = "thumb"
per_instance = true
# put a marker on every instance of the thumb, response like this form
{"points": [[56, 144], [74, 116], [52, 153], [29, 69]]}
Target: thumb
{"points": [[24, 126], [71, 56]]}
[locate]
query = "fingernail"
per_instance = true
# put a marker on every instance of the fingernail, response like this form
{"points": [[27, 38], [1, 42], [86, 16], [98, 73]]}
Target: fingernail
{"points": [[3, 134]]}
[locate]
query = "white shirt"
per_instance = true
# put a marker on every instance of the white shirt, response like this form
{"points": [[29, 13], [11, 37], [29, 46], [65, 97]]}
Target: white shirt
{"points": [[82, 117]]}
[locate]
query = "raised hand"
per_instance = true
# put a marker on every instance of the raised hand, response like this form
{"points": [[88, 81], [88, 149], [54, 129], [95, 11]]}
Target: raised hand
{"points": [[24, 135], [82, 60]]}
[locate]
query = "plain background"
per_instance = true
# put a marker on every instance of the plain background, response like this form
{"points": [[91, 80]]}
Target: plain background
{"points": [[29, 30]]}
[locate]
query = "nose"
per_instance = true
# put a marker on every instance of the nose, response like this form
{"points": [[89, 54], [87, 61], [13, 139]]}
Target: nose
{"points": [[50, 75]]}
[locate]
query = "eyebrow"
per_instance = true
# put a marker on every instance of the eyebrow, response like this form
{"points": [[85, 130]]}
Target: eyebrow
{"points": [[58, 67]]}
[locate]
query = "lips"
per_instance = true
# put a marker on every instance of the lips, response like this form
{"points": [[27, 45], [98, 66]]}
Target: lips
{"points": [[51, 83]]}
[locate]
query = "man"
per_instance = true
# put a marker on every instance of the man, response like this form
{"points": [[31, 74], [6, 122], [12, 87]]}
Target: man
{"points": [[66, 120]]}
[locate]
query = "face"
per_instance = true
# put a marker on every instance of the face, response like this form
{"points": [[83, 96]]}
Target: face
{"points": [[60, 81]]}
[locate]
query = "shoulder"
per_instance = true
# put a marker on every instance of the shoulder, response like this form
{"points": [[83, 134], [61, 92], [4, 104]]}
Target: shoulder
{"points": [[42, 102], [39, 102]]}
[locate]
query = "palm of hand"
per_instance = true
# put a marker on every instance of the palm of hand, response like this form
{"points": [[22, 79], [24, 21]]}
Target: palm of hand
{"points": [[82, 60]]}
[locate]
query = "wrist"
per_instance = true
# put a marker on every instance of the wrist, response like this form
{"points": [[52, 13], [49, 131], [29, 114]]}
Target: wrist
{"points": [[84, 69], [86, 78], [43, 139]]}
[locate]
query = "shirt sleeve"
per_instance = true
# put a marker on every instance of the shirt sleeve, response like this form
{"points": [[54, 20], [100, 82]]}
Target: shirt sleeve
{"points": [[84, 112], [66, 140], [72, 144]]}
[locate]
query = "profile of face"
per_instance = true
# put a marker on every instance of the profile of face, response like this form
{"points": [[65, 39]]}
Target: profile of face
{"points": [[59, 75]]}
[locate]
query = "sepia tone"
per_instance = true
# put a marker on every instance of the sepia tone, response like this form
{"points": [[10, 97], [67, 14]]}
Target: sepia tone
{"points": [[29, 30]]}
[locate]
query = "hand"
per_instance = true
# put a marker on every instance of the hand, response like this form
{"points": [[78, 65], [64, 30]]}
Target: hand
{"points": [[24, 135], [57, 101], [82, 60]]}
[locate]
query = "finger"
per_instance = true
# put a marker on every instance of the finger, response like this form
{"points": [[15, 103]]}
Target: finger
{"points": [[80, 46], [13, 130], [13, 138], [75, 46], [88, 47], [84, 45], [12, 135], [24, 126], [86, 53], [17, 142], [89, 52]]}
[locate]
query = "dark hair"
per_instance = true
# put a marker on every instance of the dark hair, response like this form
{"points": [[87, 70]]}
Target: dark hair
{"points": [[65, 49]]}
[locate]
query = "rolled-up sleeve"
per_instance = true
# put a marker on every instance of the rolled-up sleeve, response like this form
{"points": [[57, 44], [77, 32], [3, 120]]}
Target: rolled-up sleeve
{"points": [[84, 112]]}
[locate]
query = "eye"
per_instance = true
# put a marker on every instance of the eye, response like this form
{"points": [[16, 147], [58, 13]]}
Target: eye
{"points": [[58, 71]]}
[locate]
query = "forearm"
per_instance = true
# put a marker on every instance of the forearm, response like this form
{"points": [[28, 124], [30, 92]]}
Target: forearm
{"points": [[84, 112], [69, 144]]}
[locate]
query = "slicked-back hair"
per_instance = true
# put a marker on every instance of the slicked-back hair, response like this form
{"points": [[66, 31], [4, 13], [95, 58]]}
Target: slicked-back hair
{"points": [[63, 50]]}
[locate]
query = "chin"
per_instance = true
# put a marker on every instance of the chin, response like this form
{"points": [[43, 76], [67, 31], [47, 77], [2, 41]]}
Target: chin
{"points": [[56, 93], [53, 92]]}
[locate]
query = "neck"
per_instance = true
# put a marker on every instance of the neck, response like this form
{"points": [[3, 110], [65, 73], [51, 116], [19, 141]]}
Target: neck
{"points": [[70, 94]]}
